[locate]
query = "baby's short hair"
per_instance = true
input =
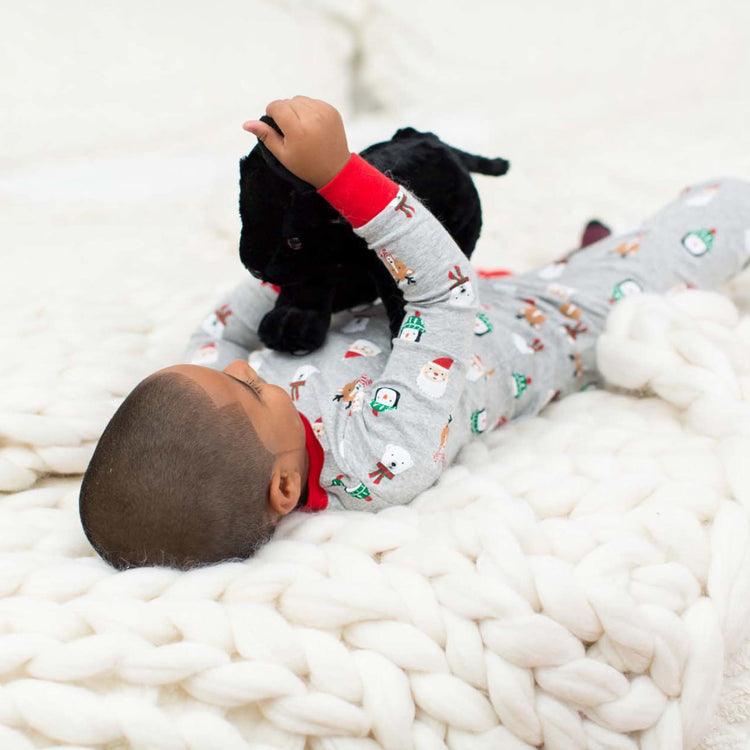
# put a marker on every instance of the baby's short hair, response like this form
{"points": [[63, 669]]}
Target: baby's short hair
{"points": [[176, 481]]}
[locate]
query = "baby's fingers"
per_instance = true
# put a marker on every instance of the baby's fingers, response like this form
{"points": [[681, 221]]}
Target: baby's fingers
{"points": [[265, 134]]}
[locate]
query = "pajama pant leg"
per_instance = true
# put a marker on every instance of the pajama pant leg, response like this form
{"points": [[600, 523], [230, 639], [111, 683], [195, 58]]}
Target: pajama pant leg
{"points": [[701, 239]]}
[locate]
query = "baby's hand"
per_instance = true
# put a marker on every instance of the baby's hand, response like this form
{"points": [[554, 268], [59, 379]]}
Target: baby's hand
{"points": [[314, 144]]}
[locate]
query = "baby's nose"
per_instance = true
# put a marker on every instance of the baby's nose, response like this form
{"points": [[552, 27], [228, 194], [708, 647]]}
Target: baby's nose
{"points": [[239, 367]]}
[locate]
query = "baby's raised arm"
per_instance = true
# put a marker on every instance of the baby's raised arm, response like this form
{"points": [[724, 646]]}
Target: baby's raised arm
{"points": [[388, 452]]}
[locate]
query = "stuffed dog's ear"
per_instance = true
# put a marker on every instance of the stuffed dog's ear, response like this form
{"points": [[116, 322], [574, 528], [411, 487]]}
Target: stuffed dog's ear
{"points": [[471, 162], [270, 121], [404, 133], [276, 166]]}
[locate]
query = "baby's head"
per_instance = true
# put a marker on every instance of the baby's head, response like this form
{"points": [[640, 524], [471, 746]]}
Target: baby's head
{"points": [[195, 467]]}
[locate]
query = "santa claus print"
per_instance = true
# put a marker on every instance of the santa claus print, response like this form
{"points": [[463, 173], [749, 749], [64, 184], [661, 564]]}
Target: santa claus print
{"points": [[475, 368], [699, 242], [461, 291], [319, 430], [300, 379], [352, 393], [206, 355], [362, 348], [395, 460], [385, 399], [433, 377], [216, 322]]}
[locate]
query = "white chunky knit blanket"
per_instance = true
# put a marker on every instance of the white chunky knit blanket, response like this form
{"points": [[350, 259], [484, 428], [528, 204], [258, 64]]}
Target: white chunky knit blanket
{"points": [[576, 580]]}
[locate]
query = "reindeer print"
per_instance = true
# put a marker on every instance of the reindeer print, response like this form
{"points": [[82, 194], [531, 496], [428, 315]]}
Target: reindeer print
{"points": [[569, 310], [533, 315], [398, 269], [351, 394]]}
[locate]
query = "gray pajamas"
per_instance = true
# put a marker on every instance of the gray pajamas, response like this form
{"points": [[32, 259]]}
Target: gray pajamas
{"points": [[473, 353]]}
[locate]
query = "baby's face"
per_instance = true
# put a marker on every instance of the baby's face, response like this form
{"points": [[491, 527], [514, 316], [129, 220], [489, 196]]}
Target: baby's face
{"points": [[269, 407]]}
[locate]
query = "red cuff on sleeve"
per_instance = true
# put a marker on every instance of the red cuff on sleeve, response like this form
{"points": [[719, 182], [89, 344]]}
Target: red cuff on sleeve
{"points": [[359, 192]]}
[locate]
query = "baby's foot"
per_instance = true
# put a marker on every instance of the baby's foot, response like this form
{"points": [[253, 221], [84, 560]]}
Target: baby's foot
{"points": [[594, 232]]}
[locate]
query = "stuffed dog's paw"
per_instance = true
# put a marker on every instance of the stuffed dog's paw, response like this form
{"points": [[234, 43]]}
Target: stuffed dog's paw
{"points": [[290, 329]]}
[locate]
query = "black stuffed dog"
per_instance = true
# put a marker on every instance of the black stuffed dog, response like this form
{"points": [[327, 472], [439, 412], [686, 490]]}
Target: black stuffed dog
{"points": [[293, 238]]}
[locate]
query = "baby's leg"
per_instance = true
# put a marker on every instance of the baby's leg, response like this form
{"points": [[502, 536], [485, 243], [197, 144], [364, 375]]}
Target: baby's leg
{"points": [[701, 239]]}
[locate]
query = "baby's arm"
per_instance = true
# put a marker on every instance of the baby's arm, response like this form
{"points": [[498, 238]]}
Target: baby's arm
{"points": [[394, 439], [229, 329]]}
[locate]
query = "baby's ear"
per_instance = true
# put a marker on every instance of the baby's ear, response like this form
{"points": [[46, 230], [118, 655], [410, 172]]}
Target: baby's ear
{"points": [[284, 490]]}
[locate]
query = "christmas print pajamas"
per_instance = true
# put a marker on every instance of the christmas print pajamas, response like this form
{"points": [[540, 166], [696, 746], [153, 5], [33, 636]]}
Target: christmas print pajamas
{"points": [[473, 353]]}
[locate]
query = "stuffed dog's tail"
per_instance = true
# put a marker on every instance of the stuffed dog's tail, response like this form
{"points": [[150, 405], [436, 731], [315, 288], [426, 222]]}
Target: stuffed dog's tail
{"points": [[481, 164]]}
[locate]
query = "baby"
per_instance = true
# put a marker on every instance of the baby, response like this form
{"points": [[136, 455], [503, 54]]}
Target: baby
{"points": [[202, 459]]}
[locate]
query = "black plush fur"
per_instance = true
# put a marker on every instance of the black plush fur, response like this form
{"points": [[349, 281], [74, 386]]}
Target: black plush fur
{"points": [[293, 238]]}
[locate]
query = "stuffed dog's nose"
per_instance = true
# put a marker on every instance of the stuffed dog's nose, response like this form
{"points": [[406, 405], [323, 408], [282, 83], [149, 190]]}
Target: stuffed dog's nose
{"points": [[255, 272]]}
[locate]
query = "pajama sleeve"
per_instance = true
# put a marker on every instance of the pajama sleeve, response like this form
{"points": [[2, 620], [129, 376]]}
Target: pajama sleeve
{"points": [[393, 442], [229, 330]]}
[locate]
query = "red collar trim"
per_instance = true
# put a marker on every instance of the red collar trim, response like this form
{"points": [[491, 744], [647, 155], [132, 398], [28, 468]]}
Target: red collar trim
{"points": [[317, 499]]}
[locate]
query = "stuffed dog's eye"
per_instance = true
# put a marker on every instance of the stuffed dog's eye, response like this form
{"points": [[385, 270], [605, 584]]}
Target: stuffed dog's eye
{"points": [[295, 243]]}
